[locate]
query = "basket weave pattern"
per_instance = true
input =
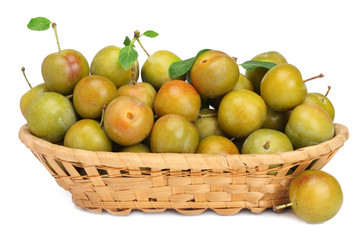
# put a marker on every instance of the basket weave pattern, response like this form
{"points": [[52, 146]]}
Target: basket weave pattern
{"points": [[188, 183]]}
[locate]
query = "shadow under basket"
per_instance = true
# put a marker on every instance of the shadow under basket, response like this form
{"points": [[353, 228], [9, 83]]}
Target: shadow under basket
{"points": [[187, 183]]}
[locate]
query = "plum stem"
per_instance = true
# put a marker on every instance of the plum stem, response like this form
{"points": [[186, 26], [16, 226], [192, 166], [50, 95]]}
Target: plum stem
{"points": [[102, 116], [56, 35], [266, 145], [318, 76], [23, 71], [327, 92], [283, 206], [138, 40], [133, 75]]}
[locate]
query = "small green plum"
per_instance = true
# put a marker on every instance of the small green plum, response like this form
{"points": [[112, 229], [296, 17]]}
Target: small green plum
{"points": [[214, 73], [241, 112], [63, 70], [87, 134], [50, 115], [255, 76], [106, 64], [217, 145], [91, 94], [283, 88], [309, 125], [156, 68], [174, 133], [315, 196]]}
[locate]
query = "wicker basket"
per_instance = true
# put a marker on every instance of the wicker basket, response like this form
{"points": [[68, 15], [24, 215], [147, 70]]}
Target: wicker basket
{"points": [[188, 183]]}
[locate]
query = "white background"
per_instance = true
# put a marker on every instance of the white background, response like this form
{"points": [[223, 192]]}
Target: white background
{"points": [[316, 36]]}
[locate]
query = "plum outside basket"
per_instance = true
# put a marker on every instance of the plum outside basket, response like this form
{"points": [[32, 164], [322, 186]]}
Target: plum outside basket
{"points": [[188, 183]]}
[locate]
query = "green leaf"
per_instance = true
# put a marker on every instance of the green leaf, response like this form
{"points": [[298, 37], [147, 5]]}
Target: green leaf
{"points": [[128, 55], [202, 51], [150, 34], [251, 65], [178, 69], [127, 41], [39, 24]]}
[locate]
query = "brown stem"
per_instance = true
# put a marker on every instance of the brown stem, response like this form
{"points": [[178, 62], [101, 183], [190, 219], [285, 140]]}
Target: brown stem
{"points": [[327, 92], [23, 70], [318, 76], [266, 146], [133, 75]]}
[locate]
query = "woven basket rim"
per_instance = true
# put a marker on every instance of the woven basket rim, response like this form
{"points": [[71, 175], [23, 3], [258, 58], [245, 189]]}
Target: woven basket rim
{"points": [[180, 160]]}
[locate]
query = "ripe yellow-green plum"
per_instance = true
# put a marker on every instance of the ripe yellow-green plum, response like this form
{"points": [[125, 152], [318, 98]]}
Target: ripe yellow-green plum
{"points": [[106, 64], [156, 68], [241, 112], [243, 83], [178, 97], [26, 99], [276, 120], [207, 124], [309, 125], [214, 73], [50, 115], [322, 101], [127, 120], [91, 94], [217, 145], [145, 92], [136, 148], [315, 196], [87, 134], [256, 75], [283, 88], [173, 133], [266, 141], [63, 70]]}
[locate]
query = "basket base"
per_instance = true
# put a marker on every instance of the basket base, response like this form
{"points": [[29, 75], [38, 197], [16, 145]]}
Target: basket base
{"points": [[189, 208]]}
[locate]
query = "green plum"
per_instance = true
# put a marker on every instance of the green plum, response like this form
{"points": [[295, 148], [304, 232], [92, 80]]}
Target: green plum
{"points": [[145, 92], [127, 120], [50, 115], [91, 94], [276, 120], [255, 76], [87, 134], [322, 101], [243, 83], [63, 70], [136, 148], [156, 68], [241, 112], [174, 133], [315, 196], [26, 99], [214, 73], [207, 124], [309, 125], [217, 145], [178, 97], [266, 141], [283, 88], [106, 64]]}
